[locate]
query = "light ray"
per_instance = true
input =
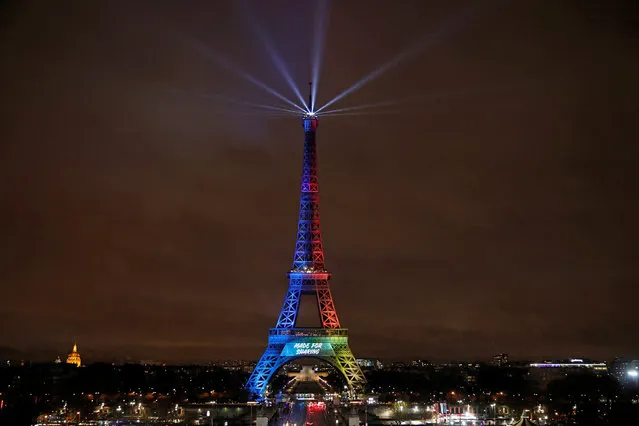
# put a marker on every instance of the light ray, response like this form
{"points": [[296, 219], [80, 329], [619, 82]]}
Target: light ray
{"points": [[340, 114], [216, 110], [274, 55], [359, 107], [252, 114], [237, 102], [319, 36], [249, 104], [229, 66], [441, 95], [412, 51]]}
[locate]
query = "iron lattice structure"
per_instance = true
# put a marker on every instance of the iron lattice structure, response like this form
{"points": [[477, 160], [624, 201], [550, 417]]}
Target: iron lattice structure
{"points": [[309, 276]]}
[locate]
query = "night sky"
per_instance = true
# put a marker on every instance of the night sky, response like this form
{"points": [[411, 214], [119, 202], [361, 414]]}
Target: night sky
{"points": [[496, 211]]}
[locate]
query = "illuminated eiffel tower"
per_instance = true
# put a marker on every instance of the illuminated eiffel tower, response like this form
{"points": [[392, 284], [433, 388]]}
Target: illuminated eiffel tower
{"points": [[308, 275]]}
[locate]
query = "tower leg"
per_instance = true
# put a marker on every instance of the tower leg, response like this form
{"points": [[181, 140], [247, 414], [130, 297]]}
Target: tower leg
{"points": [[346, 363], [265, 368]]}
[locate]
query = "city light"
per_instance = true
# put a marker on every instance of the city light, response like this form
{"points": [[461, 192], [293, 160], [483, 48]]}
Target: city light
{"points": [[594, 365], [633, 373]]}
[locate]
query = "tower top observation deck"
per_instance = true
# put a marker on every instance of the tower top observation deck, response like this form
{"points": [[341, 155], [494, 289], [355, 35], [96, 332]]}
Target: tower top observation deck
{"points": [[309, 119]]}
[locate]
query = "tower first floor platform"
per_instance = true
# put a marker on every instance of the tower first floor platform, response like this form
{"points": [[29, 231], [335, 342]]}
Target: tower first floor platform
{"points": [[288, 344]]}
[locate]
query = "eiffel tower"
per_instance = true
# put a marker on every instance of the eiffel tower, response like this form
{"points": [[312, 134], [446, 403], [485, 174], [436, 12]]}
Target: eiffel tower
{"points": [[308, 276]]}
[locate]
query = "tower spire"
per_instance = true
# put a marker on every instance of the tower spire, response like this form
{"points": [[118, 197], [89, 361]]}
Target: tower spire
{"points": [[309, 253], [310, 96]]}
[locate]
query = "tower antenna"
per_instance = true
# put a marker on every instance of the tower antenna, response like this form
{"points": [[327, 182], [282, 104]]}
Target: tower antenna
{"points": [[310, 96]]}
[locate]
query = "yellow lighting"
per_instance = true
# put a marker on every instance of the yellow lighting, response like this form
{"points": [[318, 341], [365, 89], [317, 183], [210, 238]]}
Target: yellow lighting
{"points": [[74, 357]]}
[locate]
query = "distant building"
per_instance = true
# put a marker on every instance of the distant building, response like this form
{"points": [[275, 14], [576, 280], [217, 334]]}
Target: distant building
{"points": [[74, 357], [500, 360], [548, 371], [58, 360], [573, 363], [364, 362], [398, 366], [307, 374], [153, 363], [369, 363], [625, 370], [419, 363]]}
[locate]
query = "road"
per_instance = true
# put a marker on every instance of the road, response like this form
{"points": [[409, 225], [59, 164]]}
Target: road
{"points": [[303, 414], [291, 414]]}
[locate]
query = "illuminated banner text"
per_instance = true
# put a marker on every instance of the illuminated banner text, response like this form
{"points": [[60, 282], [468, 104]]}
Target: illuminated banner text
{"points": [[308, 348]]}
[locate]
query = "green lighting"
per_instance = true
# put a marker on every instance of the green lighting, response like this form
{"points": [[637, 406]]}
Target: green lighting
{"points": [[308, 348]]}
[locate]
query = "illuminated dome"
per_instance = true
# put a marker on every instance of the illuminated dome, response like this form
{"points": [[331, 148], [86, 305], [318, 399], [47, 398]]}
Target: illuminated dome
{"points": [[74, 357]]}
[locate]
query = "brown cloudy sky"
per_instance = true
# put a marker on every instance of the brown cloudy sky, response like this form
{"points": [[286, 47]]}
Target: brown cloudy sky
{"points": [[496, 213]]}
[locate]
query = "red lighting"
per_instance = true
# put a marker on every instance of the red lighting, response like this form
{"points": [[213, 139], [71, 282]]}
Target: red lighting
{"points": [[316, 406]]}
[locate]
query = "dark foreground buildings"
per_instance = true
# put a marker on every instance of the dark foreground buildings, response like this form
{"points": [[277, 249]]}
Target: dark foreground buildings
{"points": [[415, 391]]}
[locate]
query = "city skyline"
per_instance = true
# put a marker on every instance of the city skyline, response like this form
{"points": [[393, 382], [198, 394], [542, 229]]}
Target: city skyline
{"points": [[495, 212], [51, 355]]}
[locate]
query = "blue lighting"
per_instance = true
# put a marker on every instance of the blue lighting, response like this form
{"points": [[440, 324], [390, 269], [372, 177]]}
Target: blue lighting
{"points": [[274, 56], [231, 67], [244, 103]]}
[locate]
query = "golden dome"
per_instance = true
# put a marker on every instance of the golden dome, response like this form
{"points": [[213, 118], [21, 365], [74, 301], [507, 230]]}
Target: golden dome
{"points": [[74, 356]]}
